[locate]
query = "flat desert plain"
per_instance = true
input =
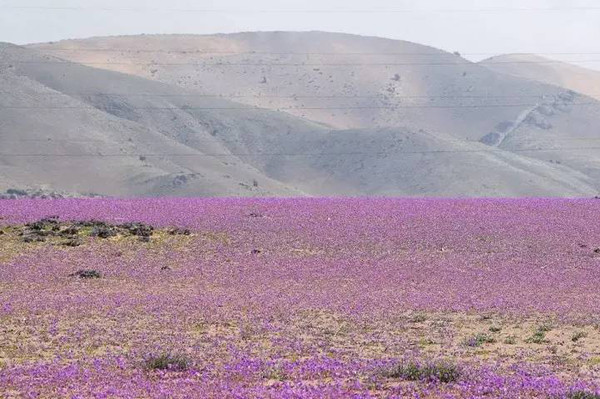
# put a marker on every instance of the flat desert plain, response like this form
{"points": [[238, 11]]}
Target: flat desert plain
{"points": [[247, 298]]}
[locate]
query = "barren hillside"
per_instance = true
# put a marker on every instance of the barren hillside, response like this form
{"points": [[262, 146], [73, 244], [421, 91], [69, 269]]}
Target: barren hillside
{"points": [[86, 143], [344, 81], [545, 70], [287, 113]]}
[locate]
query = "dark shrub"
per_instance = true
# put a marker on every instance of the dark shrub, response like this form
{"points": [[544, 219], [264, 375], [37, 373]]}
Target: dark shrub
{"points": [[578, 335], [583, 395], [180, 232], [420, 318], [168, 362], [73, 242], [29, 238], [87, 274], [69, 231], [138, 229], [103, 232], [43, 224]]}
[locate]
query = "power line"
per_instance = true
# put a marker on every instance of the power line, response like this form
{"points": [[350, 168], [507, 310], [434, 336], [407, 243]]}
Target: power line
{"points": [[303, 11], [249, 108], [459, 62], [261, 96], [217, 140], [197, 51], [202, 155]]}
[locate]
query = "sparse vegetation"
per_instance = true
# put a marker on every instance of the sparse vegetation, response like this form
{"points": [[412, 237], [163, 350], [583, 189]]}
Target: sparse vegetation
{"points": [[538, 337], [479, 339], [167, 362], [275, 373], [510, 340], [444, 372]]}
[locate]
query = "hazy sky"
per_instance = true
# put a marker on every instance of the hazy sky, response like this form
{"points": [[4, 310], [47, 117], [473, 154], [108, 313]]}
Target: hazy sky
{"points": [[476, 28]]}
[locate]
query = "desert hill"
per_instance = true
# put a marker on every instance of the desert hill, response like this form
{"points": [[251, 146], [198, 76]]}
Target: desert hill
{"points": [[63, 141], [192, 115], [545, 70], [344, 81]]}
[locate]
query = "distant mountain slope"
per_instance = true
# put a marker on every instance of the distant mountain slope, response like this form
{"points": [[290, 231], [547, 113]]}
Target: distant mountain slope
{"points": [[399, 162], [353, 83], [345, 81], [545, 70], [5, 182], [554, 133], [62, 141], [134, 136]]}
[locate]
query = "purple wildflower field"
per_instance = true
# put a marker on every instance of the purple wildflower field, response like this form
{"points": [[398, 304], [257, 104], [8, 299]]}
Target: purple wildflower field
{"points": [[305, 298]]}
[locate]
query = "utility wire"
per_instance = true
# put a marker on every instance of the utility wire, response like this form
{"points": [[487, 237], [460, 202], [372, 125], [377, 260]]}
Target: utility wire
{"points": [[249, 108], [304, 11], [260, 96], [217, 140], [201, 155], [458, 62], [197, 51]]}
